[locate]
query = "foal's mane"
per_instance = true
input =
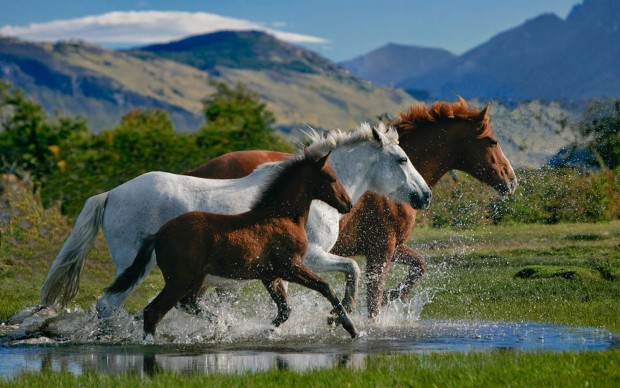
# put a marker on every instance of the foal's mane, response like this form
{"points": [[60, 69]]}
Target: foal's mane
{"points": [[320, 144], [278, 173], [422, 115]]}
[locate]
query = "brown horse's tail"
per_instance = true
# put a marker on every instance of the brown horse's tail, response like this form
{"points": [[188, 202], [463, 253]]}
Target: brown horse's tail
{"points": [[63, 279], [130, 276]]}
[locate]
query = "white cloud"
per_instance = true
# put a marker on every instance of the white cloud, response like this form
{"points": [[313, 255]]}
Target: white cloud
{"points": [[142, 27]]}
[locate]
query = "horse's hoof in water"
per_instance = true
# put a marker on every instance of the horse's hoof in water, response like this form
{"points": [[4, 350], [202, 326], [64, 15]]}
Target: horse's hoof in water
{"points": [[390, 296], [333, 321]]}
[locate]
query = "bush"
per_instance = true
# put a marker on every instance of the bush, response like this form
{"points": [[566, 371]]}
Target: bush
{"points": [[545, 196]]}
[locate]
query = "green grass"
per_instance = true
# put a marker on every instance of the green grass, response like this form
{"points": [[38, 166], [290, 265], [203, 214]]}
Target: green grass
{"points": [[496, 368], [566, 274]]}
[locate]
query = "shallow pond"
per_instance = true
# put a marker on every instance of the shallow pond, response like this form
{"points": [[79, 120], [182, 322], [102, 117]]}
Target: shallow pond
{"points": [[299, 352], [238, 337]]}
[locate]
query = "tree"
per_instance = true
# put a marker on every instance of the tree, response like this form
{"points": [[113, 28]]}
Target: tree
{"points": [[601, 129], [30, 141], [237, 119]]}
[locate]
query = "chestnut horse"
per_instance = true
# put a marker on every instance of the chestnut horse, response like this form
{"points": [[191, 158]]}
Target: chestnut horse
{"points": [[268, 242], [438, 138]]}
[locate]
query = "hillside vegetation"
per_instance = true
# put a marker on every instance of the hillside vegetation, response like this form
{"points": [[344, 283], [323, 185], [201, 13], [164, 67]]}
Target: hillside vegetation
{"points": [[300, 87]]}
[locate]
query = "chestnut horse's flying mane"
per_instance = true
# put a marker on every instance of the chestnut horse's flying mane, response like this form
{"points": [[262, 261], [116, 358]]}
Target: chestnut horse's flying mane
{"points": [[421, 115]]}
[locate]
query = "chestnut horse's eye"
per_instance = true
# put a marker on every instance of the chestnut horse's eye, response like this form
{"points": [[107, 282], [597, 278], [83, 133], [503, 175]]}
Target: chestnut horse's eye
{"points": [[493, 143]]}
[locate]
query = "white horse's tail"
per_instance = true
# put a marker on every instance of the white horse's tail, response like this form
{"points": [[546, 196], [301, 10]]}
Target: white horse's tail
{"points": [[62, 282]]}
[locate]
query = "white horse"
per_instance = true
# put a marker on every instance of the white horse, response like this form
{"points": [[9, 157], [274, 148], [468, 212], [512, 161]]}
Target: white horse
{"points": [[364, 159]]}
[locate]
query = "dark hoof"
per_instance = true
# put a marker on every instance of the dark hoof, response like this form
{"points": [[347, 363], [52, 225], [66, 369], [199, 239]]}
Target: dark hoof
{"points": [[390, 296], [333, 320]]}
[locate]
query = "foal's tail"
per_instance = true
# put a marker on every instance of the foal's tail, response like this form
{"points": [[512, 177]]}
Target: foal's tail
{"points": [[62, 282], [132, 274]]}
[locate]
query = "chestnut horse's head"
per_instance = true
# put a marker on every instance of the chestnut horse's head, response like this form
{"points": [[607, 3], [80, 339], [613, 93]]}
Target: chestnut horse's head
{"points": [[325, 185], [457, 136], [482, 156]]}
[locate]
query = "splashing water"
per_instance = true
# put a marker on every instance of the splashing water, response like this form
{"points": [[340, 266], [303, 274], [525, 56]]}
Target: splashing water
{"points": [[237, 336]]}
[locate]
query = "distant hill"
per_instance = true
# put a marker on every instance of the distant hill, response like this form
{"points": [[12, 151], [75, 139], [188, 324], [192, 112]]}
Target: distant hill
{"points": [[64, 77], [392, 64], [546, 57], [299, 86], [248, 50]]}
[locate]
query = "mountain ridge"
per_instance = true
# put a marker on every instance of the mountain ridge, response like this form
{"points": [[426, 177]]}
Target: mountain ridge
{"points": [[83, 79], [545, 57]]}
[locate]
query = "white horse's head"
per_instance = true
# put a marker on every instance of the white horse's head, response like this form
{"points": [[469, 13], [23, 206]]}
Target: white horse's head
{"points": [[394, 176], [370, 159]]}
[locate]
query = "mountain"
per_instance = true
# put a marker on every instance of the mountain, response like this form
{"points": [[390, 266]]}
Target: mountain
{"points": [[546, 57], [249, 50], [391, 64], [299, 86], [70, 78]]}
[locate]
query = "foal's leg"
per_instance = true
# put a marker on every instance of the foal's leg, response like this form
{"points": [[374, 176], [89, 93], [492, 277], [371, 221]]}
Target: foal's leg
{"points": [[166, 300], [303, 276], [278, 293], [320, 261], [417, 268]]}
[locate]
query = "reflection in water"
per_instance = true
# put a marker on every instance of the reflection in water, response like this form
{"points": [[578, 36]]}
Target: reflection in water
{"points": [[288, 352], [239, 337]]}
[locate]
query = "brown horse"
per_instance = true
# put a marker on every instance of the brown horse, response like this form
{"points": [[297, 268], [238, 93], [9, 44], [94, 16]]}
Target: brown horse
{"points": [[437, 138], [267, 243]]}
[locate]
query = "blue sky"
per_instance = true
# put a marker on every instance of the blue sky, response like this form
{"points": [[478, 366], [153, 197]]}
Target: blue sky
{"points": [[337, 29]]}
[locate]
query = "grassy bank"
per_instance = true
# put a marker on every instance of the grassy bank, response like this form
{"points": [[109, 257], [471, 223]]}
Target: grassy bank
{"points": [[564, 273]]}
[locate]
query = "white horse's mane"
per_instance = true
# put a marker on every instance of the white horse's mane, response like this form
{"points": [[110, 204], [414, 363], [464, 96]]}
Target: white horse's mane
{"points": [[323, 142], [328, 140]]}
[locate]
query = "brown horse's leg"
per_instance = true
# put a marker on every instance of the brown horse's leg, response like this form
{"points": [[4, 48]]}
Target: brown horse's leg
{"points": [[377, 264], [167, 298], [417, 268], [303, 276], [278, 294]]}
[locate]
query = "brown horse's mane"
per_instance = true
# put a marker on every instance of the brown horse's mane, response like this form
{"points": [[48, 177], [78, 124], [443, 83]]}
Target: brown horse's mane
{"points": [[422, 115]]}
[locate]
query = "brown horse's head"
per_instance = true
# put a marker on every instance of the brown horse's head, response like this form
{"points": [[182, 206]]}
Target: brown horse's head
{"points": [[457, 136], [482, 156], [326, 186]]}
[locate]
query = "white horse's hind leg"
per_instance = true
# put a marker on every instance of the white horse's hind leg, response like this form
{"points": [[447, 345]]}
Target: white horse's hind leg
{"points": [[320, 261], [108, 303]]}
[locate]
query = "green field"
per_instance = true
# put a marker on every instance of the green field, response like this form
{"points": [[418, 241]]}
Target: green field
{"points": [[565, 273]]}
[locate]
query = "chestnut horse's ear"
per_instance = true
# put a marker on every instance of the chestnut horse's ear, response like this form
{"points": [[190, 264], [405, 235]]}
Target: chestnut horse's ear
{"points": [[306, 152], [484, 115], [323, 161]]}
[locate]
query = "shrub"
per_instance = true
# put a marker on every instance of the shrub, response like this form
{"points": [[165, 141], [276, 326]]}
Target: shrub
{"points": [[544, 196]]}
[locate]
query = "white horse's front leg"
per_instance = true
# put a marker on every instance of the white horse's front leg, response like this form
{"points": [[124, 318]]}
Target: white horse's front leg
{"points": [[320, 261]]}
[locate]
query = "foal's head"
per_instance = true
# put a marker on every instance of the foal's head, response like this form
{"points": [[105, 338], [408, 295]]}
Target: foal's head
{"points": [[303, 179]]}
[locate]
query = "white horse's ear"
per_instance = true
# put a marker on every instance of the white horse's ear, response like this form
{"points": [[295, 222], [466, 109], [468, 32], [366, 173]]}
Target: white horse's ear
{"points": [[378, 136]]}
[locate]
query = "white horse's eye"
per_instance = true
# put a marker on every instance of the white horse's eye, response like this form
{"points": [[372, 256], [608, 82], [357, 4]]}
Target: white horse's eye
{"points": [[403, 161]]}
